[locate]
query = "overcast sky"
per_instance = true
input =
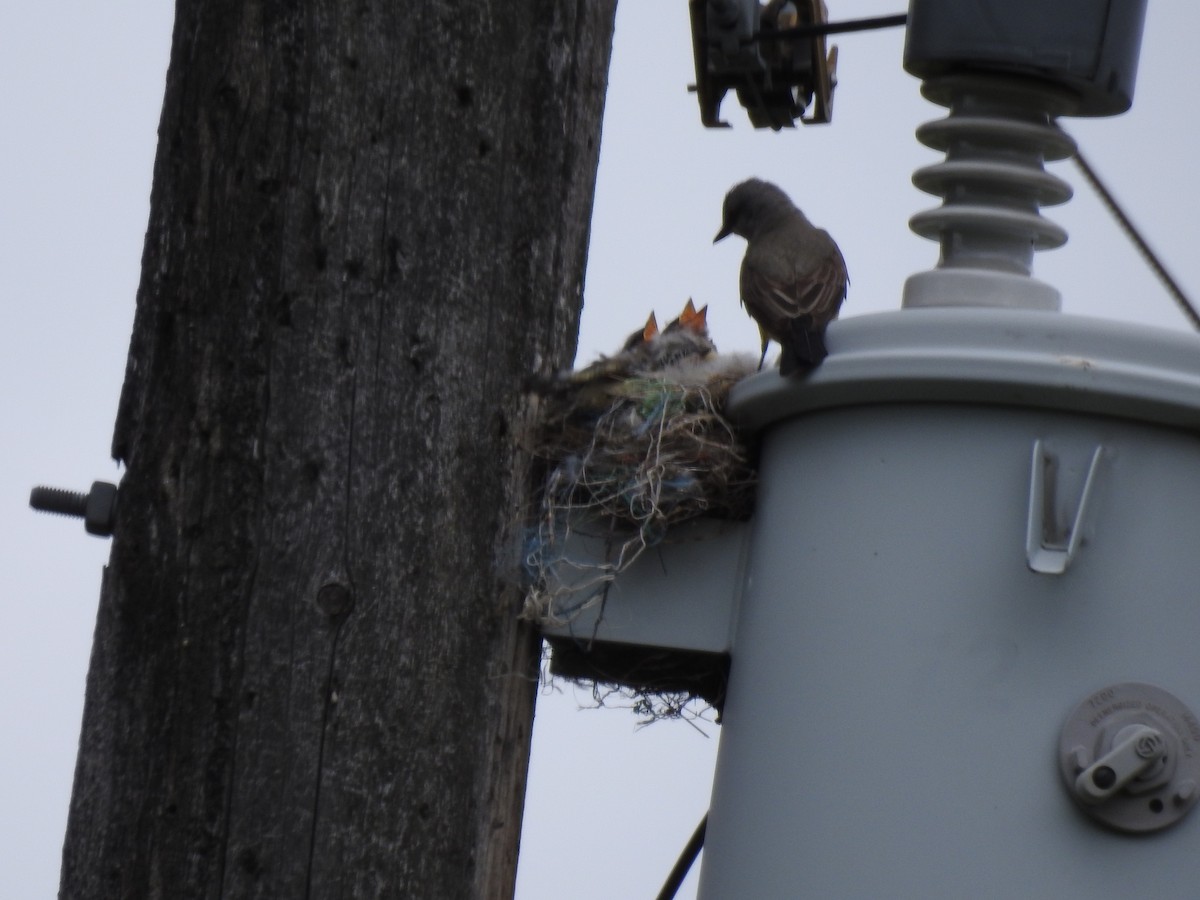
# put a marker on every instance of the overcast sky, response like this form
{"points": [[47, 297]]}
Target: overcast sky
{"points": [[609, 805]]}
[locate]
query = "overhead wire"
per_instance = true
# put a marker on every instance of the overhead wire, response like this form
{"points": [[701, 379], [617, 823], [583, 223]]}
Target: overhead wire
{"points": [[686, 858], [844, 27], [1144, 248]]}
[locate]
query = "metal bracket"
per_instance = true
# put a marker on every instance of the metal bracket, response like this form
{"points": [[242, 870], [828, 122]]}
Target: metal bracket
{"points": [[1051, 537], [773, 56]]}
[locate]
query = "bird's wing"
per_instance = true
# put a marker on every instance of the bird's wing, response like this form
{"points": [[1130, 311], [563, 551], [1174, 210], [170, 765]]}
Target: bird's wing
{"points": [[774, 297]]}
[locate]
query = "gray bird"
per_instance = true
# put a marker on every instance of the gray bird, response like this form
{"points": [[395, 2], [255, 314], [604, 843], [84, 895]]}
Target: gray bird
{"points": [[793, 277]]}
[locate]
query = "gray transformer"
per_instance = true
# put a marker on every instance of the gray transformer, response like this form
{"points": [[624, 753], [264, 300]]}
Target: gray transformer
{"points": [[961, 631], [967, 599], [968, 523]]}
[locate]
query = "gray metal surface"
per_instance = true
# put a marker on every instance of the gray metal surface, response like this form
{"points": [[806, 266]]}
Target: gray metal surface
{"points": [[1041, 360], [681, 594], [901, 675]]}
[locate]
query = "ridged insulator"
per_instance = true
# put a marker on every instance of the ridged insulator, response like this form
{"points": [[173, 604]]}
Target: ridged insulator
{"points": [[997, 137]]}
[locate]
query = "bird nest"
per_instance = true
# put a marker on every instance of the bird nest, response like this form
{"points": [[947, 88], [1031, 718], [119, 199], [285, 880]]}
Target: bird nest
{"points": [[633, 444]]}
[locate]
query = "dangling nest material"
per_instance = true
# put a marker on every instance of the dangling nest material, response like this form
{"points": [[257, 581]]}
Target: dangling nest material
{"points": [[629, 454]]}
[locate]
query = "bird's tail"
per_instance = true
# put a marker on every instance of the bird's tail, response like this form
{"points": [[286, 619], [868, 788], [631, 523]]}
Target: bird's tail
{"points": [[804, 350]]}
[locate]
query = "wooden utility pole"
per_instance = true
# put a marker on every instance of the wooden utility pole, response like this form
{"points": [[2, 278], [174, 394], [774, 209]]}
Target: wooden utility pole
{"points": [[368, 226]]}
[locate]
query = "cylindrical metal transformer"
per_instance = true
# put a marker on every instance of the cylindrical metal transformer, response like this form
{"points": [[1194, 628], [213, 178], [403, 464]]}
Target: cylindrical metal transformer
{"points": [[969, 522]]}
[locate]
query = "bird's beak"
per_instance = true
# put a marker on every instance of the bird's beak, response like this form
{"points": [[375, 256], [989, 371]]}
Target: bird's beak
{"points": [[725, 232]]}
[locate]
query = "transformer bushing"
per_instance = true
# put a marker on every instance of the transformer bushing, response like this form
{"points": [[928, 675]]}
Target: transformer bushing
{"points": [[1006, 71]]}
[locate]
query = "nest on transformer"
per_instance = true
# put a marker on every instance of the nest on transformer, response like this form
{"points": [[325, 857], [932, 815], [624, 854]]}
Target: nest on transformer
{"points": [[633, 444]]}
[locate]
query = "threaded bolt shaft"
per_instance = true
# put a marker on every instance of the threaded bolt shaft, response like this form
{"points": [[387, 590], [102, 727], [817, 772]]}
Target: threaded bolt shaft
{"points": [[58, 501], [97, 508]]}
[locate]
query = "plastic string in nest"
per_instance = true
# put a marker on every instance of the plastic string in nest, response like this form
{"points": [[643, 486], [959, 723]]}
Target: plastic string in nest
{"points": [[634, 444]]}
